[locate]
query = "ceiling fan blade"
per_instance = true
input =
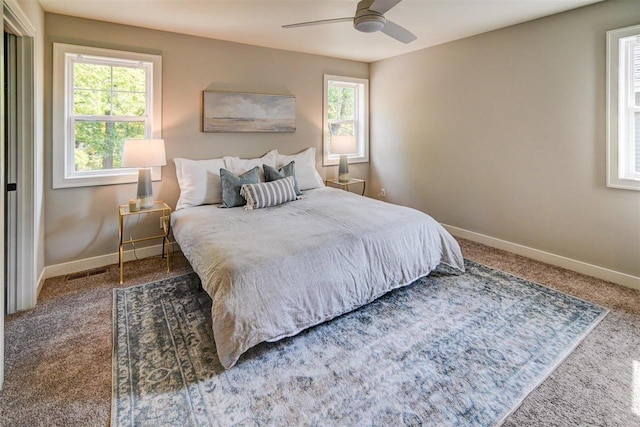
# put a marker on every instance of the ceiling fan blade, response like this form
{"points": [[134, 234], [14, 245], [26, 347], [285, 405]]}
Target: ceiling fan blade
{"points": [[381, 6], [320, 22], [397, 32]]}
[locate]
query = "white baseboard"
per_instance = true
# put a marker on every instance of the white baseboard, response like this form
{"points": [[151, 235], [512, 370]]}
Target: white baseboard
{"points": [[623, 279], [99, 261]]}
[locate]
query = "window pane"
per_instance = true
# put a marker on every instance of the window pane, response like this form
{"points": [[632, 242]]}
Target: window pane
{"points": [[636, 74], [341, 103], [95, 85], [91, 102], [342, 128], [98, 145], [129, 79], [636, 140], [91, 76], [129, 104]]}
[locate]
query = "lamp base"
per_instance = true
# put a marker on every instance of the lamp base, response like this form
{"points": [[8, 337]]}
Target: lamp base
{"points": [[343, 169], [145, 190]]}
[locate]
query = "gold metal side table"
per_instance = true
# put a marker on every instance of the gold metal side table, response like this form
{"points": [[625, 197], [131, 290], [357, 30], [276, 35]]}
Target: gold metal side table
{"points": [[158, 206], [345, 185]]}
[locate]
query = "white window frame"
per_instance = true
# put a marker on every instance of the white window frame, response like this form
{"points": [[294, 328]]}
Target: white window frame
{"points": [[64, 56], [620, 109], [361, 122]]}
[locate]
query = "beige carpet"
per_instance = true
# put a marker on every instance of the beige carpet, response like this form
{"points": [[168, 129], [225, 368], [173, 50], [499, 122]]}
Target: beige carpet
{"points": [[58, 355]]}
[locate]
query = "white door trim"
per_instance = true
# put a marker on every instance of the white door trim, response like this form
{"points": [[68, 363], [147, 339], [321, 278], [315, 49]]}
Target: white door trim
{"points": [[24, 294]]}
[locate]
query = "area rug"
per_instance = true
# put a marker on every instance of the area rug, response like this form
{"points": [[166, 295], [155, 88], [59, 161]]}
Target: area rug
{"points": [[448, 350]]}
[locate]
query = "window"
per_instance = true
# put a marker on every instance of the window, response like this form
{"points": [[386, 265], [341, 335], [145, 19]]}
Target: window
{"points": [[623, 108], [101, 97], [346, 112]]}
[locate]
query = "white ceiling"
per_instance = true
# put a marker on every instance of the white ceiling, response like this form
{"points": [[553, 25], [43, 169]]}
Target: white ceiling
{"points": [[258, 22]]}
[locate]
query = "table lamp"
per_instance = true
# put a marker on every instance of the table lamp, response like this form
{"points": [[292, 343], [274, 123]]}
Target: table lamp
{"points": [[144, 154], [343, 145]]}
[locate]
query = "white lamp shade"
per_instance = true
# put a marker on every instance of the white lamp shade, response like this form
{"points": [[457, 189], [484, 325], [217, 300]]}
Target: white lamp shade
{"points": [[143, 153], [343, 144]]}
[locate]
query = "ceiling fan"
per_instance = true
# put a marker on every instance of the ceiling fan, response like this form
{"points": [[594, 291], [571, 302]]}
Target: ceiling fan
{"points": [[369, 18]]}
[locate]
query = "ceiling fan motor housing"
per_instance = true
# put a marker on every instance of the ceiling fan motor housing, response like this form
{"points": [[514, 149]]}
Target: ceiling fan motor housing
{"points": [[369, 18], [368, 21]]}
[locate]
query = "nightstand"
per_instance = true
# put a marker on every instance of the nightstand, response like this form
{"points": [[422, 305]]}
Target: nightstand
{"points": [[159, 207], [345, 185]]}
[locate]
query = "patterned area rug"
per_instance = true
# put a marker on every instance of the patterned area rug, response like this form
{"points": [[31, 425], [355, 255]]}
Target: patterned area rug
{"points": [[449, 350]]}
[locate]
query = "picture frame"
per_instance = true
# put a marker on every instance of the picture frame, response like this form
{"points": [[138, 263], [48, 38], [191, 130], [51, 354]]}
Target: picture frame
{"points": [[248, 112]]}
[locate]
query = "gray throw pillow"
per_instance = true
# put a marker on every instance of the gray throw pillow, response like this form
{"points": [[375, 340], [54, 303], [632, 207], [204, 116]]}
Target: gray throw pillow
{"points": [[232, 183], [267, 194], [271, 174]]}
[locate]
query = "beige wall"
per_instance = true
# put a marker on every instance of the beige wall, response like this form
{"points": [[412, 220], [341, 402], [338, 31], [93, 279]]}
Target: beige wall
{"points": [[82, 222], [504, 134]]}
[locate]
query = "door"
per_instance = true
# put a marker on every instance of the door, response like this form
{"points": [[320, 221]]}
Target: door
{"points": [[2, 186], [10, 171]]}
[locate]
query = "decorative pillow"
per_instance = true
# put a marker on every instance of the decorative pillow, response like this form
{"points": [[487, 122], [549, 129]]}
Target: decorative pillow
{"points": [[272, 174], [231, 185], [307, 176], [238, 165], [265, 194], [199, 182]]}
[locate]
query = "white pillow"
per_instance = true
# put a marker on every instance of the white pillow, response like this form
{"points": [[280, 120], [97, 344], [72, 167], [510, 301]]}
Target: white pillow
{"points": [[199, 182], [239, 166], [306, 174]]}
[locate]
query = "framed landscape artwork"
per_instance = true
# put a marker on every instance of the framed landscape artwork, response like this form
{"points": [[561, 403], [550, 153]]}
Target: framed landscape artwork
{"points": [[248, 112]]}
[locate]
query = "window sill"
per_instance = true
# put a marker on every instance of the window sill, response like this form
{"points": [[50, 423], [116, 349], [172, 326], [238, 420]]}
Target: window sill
{"points": [[336, 161], [624, 184], [96, 180]]}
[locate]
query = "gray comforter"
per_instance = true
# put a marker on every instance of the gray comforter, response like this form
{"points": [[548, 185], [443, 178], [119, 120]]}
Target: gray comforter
{"points": [[273, 272]]}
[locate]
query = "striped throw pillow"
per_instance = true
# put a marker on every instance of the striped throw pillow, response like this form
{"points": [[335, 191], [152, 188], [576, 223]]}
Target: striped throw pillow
{"points": [[265, 194]]}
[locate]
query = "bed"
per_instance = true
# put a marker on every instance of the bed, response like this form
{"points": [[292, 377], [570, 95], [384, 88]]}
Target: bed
{"points": [[274, 272]]}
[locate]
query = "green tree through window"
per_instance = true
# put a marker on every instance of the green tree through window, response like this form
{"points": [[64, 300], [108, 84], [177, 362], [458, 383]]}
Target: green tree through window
{"points": [[342, 109], [109, 106]]}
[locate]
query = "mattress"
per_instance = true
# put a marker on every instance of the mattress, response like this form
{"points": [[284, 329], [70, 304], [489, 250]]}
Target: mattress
{"points": [[274, 272]]}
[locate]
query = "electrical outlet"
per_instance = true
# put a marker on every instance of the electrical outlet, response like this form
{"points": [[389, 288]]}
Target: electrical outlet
{"points": [[383, 193], [163, 220]]}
